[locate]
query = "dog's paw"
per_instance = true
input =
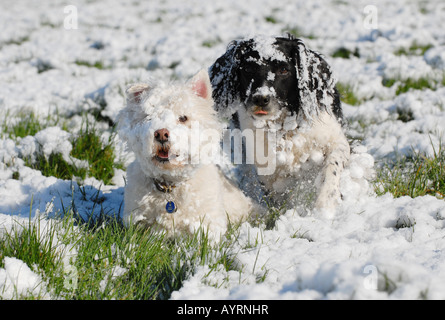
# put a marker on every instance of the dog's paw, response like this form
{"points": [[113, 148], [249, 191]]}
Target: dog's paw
{"points": [[328, 200]]}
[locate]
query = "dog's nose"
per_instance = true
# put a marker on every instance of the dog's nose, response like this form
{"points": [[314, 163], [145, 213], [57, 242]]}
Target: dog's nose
{"points": [[261, 100], [161, 135]]}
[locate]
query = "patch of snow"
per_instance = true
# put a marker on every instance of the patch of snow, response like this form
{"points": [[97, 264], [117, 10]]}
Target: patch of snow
{"points": [[18, 280]]}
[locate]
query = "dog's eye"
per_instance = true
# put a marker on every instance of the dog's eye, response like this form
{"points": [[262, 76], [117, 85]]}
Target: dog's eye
{"points": [[182, 118], [283, 71]]}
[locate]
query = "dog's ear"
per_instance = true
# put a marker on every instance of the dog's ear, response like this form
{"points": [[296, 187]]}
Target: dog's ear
{"points": [[224, 76], [200, 84], [316, 84], [135, 92]]}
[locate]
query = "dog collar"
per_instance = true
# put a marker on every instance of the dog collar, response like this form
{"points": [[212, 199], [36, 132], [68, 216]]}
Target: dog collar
{"points": [[170, 207], [163, 187]]}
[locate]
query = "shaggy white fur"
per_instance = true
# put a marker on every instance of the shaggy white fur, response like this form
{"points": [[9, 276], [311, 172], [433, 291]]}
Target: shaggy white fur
{"points": [[175, 135]]}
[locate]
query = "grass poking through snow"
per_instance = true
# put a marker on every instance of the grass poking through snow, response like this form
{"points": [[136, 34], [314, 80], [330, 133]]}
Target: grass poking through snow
{"points": [[88, 145], [416, 176], [410, 84], [347, 94], [100, 155], [103, 259]]}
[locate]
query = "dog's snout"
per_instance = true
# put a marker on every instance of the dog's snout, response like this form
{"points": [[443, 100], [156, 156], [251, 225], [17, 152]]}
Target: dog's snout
{"points": [[162, 135], [261, 100]]}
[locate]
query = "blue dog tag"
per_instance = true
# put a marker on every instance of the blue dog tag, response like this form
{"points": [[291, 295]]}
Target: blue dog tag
{"points": [[170, 207]]}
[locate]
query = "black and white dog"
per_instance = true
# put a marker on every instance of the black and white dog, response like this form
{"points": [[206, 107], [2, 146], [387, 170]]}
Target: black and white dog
{"points": [[280, 86]]}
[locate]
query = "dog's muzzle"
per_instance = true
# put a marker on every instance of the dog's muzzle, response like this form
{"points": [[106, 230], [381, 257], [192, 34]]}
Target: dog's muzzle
{"points": [[261, 103], [163, 147], [162, 152]]}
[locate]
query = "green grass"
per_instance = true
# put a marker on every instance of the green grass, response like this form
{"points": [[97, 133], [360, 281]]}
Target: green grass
{"points": [[100, 155], [414, 49], [29, 124], [19, 41], [38, 244], [347, 95], [414, 176], [55, 166], [87, 145], [410, 84], [108, 260], [274, 212], [271, 19], [98, 64], [404, 115], [345, 53], [210, 43]]}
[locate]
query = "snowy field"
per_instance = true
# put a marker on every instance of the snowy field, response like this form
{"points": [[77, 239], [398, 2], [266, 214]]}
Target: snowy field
{"points": [[59, 60]]}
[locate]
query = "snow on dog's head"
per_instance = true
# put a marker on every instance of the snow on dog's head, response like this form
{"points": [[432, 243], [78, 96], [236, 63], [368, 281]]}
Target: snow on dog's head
{"points": [[171, 129]]}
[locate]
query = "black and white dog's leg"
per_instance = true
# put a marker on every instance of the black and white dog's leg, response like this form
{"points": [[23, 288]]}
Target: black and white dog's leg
{"points": [[329, 193]]}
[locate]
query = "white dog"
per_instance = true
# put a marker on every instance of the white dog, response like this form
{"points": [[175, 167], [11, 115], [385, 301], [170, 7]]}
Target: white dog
{"points": [[174, 182]]}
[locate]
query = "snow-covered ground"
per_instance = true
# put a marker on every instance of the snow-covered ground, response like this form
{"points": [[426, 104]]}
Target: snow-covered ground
{"points": [[375, 247]]}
